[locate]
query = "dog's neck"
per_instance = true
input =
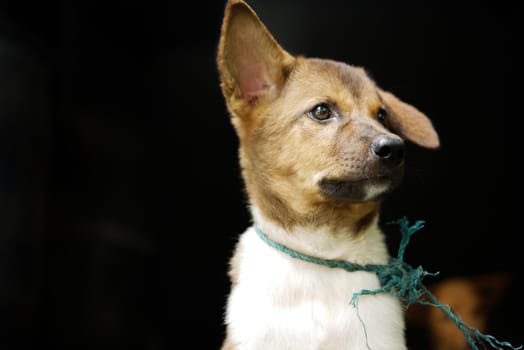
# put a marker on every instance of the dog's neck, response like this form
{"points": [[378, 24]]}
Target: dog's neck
{"points": [[303, 208], [330, 242]]}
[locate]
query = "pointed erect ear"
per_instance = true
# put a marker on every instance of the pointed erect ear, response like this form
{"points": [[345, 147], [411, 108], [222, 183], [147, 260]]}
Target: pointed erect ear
{"points": [[251, 63], [409, 123]]}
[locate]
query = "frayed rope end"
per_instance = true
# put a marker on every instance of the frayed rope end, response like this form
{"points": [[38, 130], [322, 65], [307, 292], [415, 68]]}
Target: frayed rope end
{"points": [[405, 282]]}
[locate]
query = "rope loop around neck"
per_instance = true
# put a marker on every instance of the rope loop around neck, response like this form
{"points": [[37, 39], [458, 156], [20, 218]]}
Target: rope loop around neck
{"points": [[399, 279]]}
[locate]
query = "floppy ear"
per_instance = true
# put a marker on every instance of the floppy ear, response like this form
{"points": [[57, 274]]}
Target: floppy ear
{"points": [[252, 65], [409, 123]]}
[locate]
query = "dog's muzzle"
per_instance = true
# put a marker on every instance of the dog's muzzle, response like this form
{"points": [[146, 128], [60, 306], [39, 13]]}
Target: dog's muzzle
{"points": [[382, 173]]}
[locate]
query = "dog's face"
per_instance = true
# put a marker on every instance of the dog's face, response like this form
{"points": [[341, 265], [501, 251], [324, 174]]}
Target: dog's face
{"points": [[314, 134]]}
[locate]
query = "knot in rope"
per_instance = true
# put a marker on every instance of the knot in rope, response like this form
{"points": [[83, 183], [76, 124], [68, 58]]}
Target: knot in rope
{"points": [[403, 279], [398, 277]]}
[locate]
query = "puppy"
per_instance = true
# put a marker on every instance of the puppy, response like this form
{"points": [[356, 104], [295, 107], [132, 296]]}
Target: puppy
{"points": [[320, 146]]}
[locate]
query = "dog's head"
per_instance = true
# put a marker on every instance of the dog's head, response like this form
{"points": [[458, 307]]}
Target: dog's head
{"points": [[314, 133]]}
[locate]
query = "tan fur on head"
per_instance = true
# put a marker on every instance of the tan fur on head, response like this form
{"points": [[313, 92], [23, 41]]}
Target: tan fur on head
{"points": [[268, 93]]}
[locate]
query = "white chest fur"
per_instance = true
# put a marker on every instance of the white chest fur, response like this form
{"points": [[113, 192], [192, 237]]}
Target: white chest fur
{"points": [[280, 302]]}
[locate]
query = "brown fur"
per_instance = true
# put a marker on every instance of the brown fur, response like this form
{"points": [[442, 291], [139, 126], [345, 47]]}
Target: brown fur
{"points": [[268, 123], [269, 93]]}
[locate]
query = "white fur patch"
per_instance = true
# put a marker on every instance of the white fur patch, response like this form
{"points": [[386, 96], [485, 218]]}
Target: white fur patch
{"points": [[373, 191], [281, 302]]}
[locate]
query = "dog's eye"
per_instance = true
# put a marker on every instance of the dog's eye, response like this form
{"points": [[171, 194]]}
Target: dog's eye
{"points": [[321, 113], [382, 114]]}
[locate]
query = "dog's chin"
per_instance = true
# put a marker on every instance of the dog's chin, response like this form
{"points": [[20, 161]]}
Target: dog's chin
{"points": [[358, 191]]}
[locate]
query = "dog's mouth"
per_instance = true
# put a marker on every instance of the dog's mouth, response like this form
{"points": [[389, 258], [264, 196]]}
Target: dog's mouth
{"points": [[360, 190]]}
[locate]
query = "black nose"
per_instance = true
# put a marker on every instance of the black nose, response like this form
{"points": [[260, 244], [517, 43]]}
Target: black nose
{"points": [[390, 150]]}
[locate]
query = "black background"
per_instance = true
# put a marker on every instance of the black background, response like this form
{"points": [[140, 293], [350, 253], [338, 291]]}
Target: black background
{"points": [[120, 193]]}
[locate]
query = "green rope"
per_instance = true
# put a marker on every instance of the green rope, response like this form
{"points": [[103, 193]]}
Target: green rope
{"points": [[401, 280]]}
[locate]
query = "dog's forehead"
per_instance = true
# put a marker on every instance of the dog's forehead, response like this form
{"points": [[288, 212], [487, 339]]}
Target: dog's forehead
{"points": [[339, 79]]}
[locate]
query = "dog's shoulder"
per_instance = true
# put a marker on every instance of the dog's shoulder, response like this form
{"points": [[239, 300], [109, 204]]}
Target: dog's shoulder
{"points": [[235, 262]]}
